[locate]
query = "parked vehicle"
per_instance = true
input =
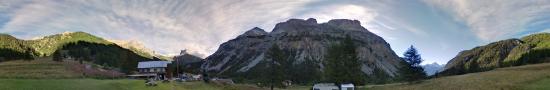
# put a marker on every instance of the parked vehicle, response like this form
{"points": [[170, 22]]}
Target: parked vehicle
{"points": [[325, 86], [332, 86]]}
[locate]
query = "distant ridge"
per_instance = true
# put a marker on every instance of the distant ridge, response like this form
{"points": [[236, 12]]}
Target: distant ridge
{"points": [[530, 49]]}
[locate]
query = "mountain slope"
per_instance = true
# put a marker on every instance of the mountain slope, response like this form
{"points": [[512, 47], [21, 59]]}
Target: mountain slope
{"points": [[13, 48], [511, 52], [188, 63], [106, 55], [78, 46], [305, 42], [47, 45], [138, 48]]}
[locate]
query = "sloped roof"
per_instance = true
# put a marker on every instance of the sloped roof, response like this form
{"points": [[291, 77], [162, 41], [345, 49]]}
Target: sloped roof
{"points": [[151, 64], [325, 85], [347, 85]]}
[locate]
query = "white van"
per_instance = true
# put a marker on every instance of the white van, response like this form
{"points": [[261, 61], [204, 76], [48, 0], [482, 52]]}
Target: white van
{"points": [[347, 86], [325, 86]]}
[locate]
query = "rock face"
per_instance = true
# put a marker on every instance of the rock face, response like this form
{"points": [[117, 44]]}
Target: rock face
{"points": [[187, 63], [304, 40], [511, 52]]}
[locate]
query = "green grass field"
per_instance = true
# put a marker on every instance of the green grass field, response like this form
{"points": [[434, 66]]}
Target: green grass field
{"points": [[539, 85], [95, 84], [36, 69], [49, 75], [45, 74], [529, 77]]}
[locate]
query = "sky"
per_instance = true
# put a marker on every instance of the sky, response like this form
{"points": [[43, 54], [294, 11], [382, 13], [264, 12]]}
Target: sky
{"points": [[439, 29]]}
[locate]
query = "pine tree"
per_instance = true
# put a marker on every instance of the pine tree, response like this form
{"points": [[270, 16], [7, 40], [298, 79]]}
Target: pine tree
{"points": [[411, 70], [412, 57], [277, 63], [341, 64]]}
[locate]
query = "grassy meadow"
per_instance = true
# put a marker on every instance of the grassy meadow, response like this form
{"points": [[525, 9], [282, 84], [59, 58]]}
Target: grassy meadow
{"points": [[117, 84], [45, 74], [36, 69], [528, 77]]}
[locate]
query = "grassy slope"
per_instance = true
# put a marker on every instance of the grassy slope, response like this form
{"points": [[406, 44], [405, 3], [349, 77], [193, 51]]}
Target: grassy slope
{"points": [[39, 68], [535, 77], [117, 84], [539, 85], [45, 74], [45, 68], [94, 84]]}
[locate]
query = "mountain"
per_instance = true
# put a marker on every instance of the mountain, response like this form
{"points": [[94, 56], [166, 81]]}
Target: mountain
{"points": [[78, 46], [13, 48], [139, 48], [512, 52], [188, 63], [45, 46], [106, 55], [433, 68], [306, 43]]}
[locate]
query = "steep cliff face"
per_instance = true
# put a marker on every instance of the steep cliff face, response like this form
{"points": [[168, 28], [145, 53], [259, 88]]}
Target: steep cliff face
{"points": [[511, 52], [303, 40]]}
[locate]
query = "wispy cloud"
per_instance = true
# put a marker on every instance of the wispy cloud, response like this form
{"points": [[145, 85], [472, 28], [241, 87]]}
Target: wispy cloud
{"points": [[166, 26], [496, 19]]}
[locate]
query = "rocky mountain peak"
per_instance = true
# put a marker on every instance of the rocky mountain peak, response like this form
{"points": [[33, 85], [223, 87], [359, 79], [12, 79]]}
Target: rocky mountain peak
{"points": [[306, 43], [310, 21], [346, 23], [254, 32], [295, 25]]}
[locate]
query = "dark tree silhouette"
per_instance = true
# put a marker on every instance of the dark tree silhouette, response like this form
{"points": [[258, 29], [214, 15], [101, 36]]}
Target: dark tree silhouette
{"points": [[342, 64], [412, 57], [411, 71]]}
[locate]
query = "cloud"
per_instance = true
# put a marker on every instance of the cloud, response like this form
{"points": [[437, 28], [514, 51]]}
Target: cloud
{"points": [[355, 12], [495, 19], [166, 26], [169, 26]]}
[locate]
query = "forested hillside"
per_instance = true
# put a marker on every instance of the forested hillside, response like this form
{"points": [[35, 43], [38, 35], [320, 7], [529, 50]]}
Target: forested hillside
{"points": [[78, 46], [512, 52], [49, 44], [12, 48]]}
